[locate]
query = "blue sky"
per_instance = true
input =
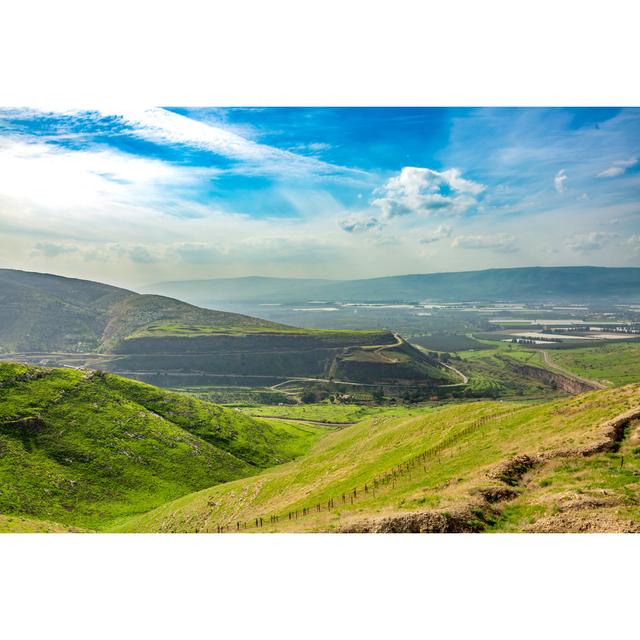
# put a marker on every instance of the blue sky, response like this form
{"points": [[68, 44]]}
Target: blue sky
{"points": [[136, 195]]}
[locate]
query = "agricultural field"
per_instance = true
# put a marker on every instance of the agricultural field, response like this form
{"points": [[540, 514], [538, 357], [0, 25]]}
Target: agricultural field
{"points": [[447, 342], [611, 364], [454, 467], [330, 413]]}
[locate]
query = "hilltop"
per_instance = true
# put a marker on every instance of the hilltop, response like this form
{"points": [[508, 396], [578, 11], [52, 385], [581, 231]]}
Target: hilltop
{"points": [[46, 312], [514, 284], [568, 465], [85, 449]]}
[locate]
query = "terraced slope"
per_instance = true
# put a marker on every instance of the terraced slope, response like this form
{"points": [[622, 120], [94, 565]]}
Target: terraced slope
{"points": [[63, 321], [454, 468], [84, 449]]}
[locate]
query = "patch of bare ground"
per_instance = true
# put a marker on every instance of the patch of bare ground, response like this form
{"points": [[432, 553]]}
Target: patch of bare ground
{"points": [[465, 520], [600, 521]]}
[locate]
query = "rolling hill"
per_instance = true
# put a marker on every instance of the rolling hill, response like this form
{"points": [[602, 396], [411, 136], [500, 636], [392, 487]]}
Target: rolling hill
{"points": [[48, 319], [568, 465], [82, 449], [515, 284]]}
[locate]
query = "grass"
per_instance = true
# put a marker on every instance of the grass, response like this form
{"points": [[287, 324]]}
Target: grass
{"points": [[178, 329], [330, 413], [581, 491], [614, 364], [470, 439], [86, 450]]}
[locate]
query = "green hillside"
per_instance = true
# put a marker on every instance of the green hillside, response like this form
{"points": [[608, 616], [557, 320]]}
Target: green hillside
{"points": [[85, 449], [63, 321], [45, 312], [612, 364], [466, 467]]}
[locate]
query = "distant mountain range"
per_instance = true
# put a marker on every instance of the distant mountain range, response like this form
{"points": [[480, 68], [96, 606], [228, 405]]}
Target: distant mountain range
{"points": [[516, 284]]}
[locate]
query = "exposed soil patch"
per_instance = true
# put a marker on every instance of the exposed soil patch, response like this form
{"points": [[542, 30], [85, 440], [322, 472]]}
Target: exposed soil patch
{"points": [[604, 521], [558, 380], [460, 521]]}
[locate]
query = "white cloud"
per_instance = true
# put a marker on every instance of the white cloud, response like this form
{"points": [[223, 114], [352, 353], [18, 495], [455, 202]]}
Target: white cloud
{"points": [[501, 242], [618, 168], [55, 177], [593, 241], [166, 127], [560, 180], [421, 191], [440, 232]]}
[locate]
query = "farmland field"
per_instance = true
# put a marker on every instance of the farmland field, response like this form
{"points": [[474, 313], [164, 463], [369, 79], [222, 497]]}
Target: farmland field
{"points": [[615, 364]]}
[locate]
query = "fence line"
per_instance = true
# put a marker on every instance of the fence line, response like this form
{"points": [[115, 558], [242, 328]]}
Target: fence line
{"points": [[381, 480]]}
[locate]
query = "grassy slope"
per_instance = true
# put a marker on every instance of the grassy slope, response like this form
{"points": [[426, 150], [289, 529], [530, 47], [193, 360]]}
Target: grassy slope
{"points": [[615, 364], [85, 449], [473, 439], [325, 412], [580, 494]]}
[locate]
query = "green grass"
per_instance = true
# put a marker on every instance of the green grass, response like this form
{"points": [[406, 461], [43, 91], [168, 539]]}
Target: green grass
{"points": [[583, 491], [471, 439], [326, 412], [86, 450], [615, 364], [163, 329]]}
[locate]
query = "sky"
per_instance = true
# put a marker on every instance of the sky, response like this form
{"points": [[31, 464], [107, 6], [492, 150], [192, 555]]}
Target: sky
{"points": [[134, 196]]}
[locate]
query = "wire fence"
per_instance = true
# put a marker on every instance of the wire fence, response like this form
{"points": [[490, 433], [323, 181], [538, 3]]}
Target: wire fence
{"points": [[374, 485]]}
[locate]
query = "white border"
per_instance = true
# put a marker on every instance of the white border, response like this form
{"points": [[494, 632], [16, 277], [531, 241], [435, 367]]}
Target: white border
{"points": [[332, 52]]}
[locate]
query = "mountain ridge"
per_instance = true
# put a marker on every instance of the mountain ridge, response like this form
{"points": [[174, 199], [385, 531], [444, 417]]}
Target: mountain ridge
{"points": [[515, 283]]}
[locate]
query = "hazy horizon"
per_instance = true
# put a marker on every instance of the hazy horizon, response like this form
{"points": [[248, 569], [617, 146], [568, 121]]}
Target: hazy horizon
{"points": [[134, 197]]}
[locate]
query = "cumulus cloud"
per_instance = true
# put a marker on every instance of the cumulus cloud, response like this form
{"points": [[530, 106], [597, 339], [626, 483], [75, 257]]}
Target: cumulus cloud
{"points": [[593, 241], [618, 168], [421, 191], [501, 242], [440, 232], [560, 180]]}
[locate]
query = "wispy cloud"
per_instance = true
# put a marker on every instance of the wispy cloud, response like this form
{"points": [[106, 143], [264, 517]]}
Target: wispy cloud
{"points": [[54, 249], [501, 242], [618, 168], [167, 127], [593, 241]]}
